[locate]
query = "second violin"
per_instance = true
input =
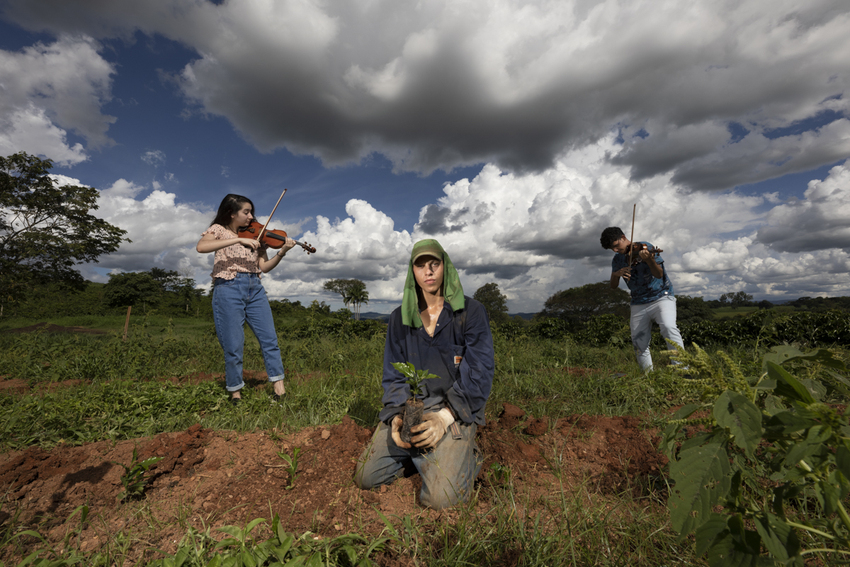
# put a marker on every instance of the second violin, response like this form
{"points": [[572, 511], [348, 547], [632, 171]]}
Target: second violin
{"points": [[271, 238]]}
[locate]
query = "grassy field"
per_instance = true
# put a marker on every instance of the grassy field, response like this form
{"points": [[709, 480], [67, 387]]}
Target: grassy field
{"points": [[120, 393]]}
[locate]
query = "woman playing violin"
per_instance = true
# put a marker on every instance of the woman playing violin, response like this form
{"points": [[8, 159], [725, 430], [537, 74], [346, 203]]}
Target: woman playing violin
{"points": [[652, 291], [238, 294]]}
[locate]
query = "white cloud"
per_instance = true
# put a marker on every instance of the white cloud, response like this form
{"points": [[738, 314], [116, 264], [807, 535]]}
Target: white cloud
{"points": [[154, 157], [534, 234], [820, 220], [513, 83], [48, 90]]}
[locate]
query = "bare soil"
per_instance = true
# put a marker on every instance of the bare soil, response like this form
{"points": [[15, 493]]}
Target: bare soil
{"points": [[208, 479]]}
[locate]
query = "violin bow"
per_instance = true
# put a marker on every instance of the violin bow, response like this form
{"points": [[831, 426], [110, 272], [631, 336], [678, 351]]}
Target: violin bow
{"points": [[632, 237], [260, 236]]}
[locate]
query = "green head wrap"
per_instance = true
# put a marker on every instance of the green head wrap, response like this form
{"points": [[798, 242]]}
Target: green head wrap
{"points": [[452, 290]]}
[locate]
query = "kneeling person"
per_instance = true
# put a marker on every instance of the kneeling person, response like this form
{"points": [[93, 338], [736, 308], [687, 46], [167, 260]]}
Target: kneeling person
{"points": [[440, 330]]}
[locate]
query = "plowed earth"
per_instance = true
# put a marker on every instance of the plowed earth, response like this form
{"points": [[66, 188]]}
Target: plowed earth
{"points": [[209, 479]]}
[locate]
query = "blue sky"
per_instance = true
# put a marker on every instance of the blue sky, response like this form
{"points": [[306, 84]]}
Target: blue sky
{"points": [[513, 132]]}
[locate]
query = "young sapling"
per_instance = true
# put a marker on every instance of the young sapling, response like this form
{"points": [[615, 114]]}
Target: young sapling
{"points": [[413, 407]]}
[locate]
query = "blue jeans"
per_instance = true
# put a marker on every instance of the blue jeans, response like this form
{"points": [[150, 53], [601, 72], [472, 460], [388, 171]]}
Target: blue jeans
{"points": [[235, 302], [448, 471], [663, 312]]}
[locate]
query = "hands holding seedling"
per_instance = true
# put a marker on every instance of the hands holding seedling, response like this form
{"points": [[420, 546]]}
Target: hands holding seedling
{"points": [[427, 434]]}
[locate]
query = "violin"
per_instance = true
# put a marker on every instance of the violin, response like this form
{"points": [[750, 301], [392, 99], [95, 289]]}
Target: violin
{"points": [[271, 238], [634, 249]]}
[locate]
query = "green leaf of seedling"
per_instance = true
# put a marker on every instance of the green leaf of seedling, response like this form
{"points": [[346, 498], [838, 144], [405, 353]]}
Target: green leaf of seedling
{"points": [[253, 524], [743, 419]]}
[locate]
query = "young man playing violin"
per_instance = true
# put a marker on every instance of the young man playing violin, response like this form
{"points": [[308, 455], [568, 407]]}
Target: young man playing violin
{"points": [[651, 290]]}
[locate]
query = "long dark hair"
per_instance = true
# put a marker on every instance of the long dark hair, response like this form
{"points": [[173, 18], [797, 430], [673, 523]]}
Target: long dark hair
{"points": [[230, 205]]}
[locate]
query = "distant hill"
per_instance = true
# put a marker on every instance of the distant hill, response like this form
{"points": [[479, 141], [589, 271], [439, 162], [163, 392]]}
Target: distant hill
{"points": [[372, 315]]}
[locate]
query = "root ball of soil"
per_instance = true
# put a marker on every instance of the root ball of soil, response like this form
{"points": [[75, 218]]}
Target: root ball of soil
{"points": [[411, 416]]}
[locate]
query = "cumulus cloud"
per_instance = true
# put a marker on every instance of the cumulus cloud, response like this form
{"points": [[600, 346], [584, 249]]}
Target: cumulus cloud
{"points": [[49, 90], [533, 233], [820, 220], [515, 83]]}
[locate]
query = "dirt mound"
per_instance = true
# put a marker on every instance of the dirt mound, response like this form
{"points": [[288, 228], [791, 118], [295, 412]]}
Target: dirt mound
{"points": [[213, 478]]}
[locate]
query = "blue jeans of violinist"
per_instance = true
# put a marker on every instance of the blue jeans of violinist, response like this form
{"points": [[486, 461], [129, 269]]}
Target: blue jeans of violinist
{"points": [[236, 302], [652, 300]]}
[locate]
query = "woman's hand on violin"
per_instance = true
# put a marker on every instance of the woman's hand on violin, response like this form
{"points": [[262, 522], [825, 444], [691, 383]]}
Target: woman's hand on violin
{"points": [[250, 243], [288, 244]]}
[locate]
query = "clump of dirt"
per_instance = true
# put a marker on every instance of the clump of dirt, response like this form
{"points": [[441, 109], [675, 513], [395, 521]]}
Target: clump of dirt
{"points": [[212, 478]]}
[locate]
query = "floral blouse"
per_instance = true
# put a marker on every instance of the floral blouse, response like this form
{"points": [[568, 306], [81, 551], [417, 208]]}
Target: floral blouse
{"points": [[233, 259]]}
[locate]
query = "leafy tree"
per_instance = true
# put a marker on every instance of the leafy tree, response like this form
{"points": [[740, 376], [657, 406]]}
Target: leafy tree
{"points": [[691, 309], [577, 305], [353, 292], [494, 301], [737, 299], [357, 295], [46, 229], [131, 288]]}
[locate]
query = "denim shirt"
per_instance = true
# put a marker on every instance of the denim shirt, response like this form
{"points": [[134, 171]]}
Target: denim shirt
{"points": [[460, 353], [645, 287]]}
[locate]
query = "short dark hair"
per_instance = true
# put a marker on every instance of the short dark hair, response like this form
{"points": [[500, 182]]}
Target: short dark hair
{"points": [[229, 206], [610, 235]]}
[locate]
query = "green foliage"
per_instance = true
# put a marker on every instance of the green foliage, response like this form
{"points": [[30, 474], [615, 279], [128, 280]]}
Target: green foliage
{"points": [[767, 328], [131, 288], [577, 305], [292, 465], [691, 310], [768, 471], [494, 301], [737, 299], [353, 292], [133, 480], [45, 229], [414, 376], [243, 549]]}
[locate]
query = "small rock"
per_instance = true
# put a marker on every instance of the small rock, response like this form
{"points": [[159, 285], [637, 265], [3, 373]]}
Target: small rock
{"points": [[326, 434]]}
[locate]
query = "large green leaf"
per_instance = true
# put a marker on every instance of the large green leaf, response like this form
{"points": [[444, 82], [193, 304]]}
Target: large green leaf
{"points": [[777, 536], [742, 417], [701, 477], [788, 386], [708, 532], [732, 550], [786, 423], [786, 353], [809, 446]]}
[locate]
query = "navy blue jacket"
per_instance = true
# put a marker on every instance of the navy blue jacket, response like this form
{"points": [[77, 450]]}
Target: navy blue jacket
{"points": [[460, 353]]}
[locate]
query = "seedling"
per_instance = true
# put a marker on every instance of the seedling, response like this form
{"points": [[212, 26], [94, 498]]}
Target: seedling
{"points": [[292, 465], [133, 479], [413, 407]]}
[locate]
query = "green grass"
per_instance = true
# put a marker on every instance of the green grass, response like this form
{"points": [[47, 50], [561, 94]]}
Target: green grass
{"points": [[123, 394]]}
